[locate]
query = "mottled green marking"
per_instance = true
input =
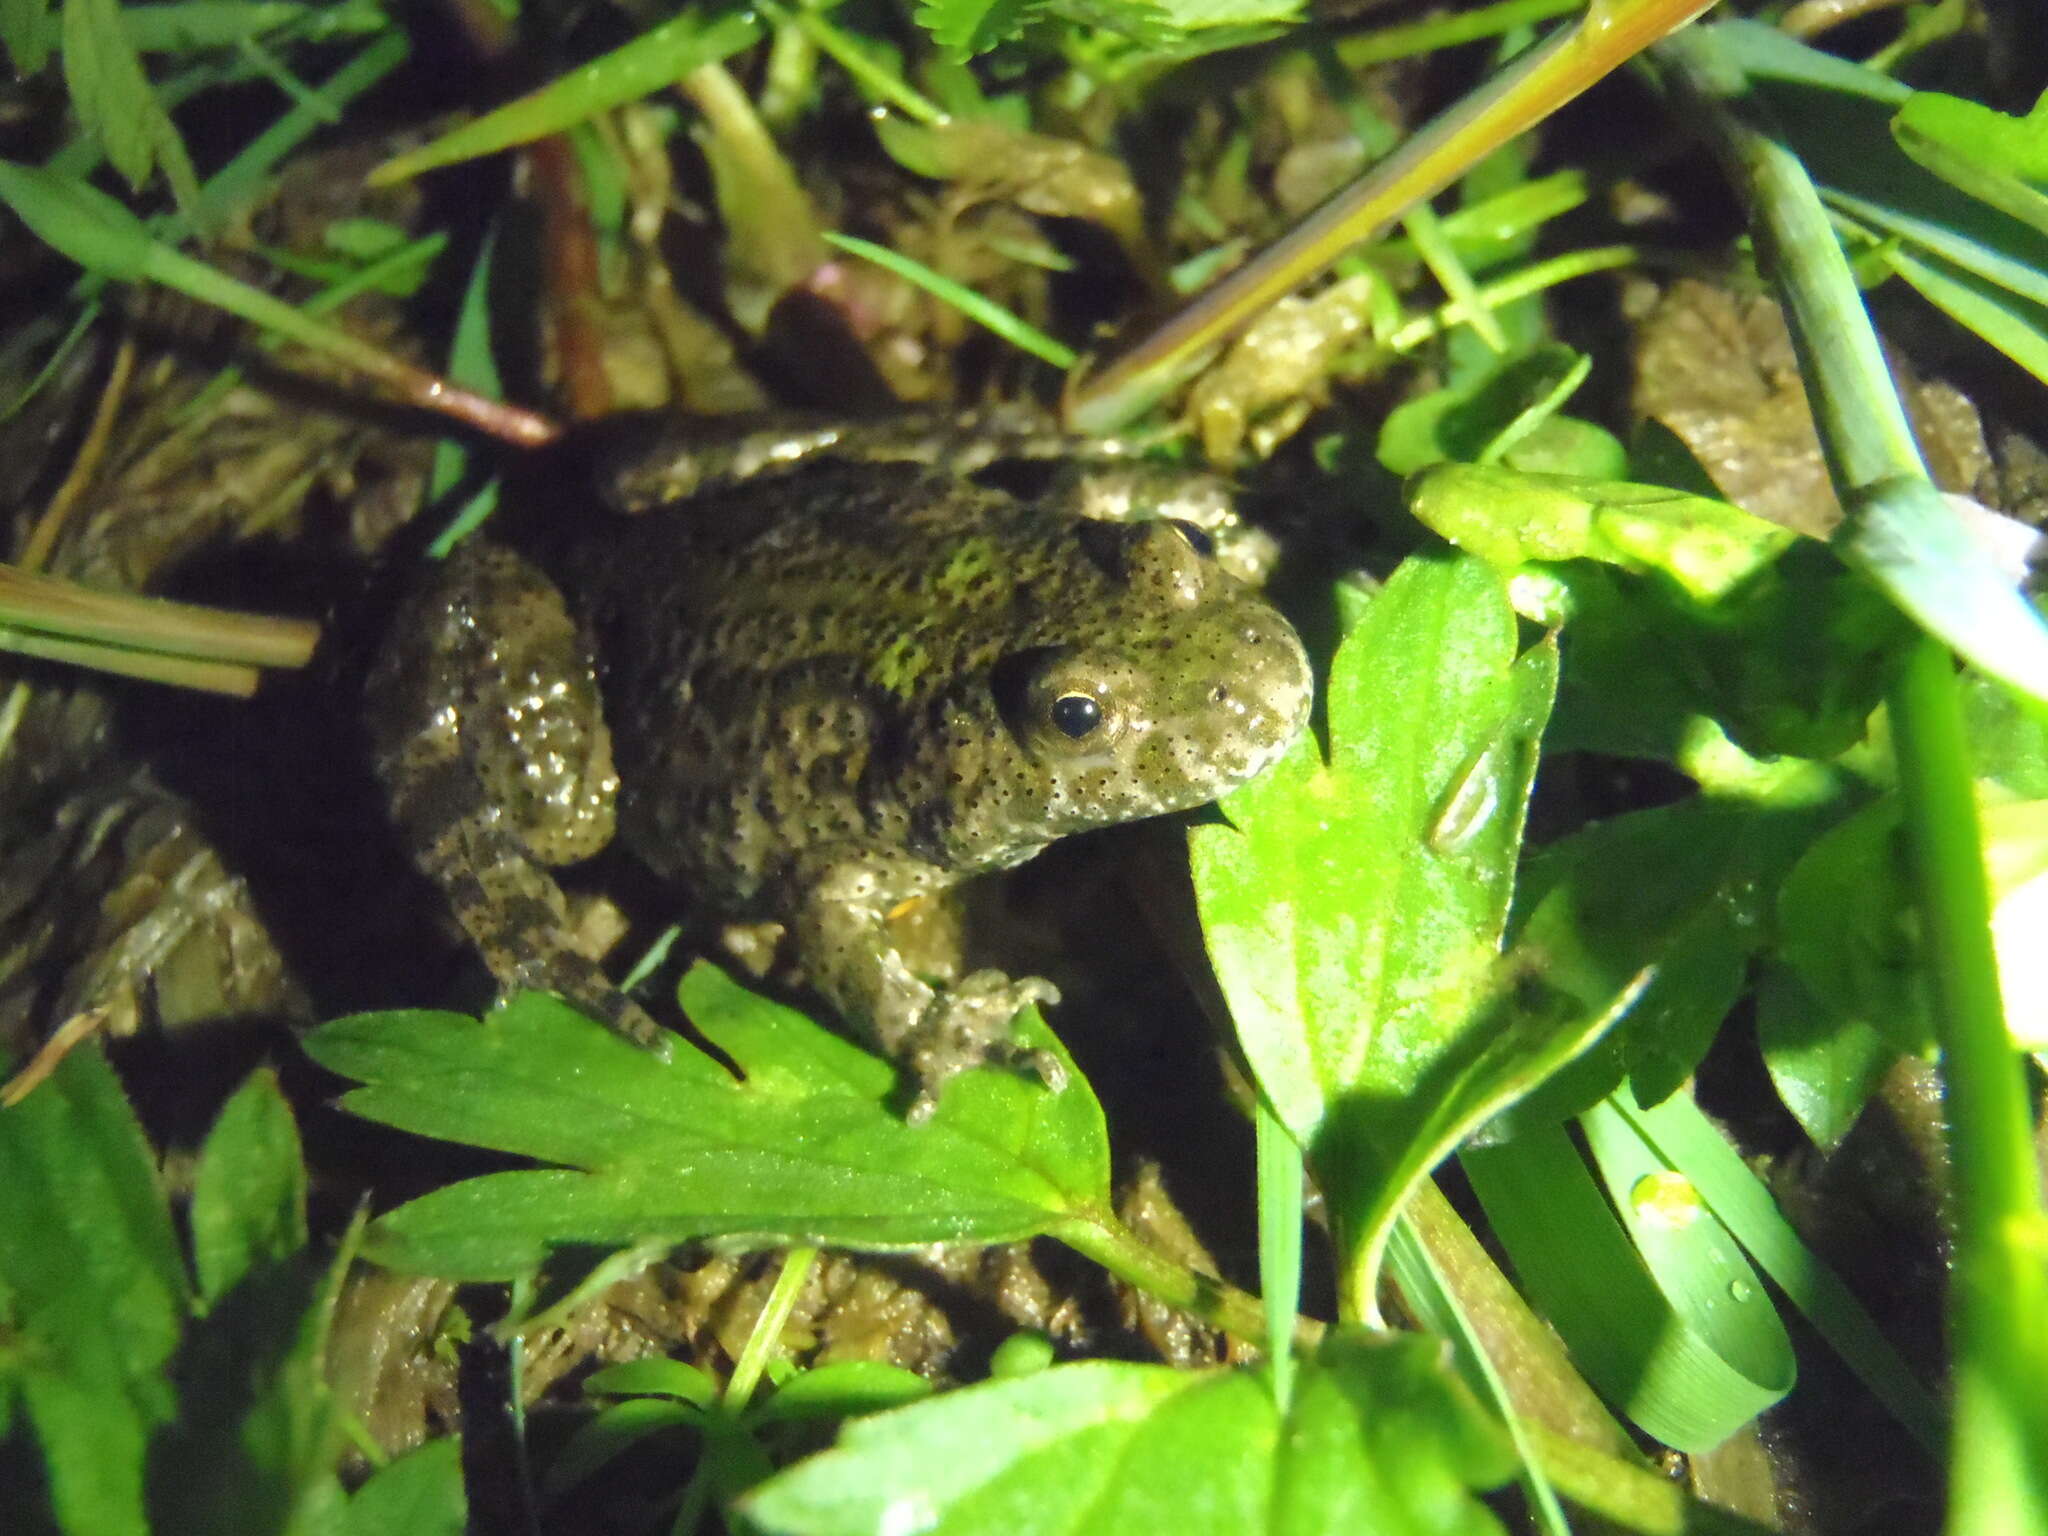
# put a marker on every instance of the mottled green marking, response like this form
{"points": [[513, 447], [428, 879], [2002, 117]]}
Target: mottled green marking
{"points": [[972, 562], [902, 665]]}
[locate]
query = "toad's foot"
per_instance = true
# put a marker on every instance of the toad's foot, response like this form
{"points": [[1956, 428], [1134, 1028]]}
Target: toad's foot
{"points": [[581, 983], [968, 1026]]}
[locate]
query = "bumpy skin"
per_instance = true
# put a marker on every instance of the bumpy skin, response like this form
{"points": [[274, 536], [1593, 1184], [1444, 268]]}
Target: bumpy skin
{"points": [[828, 694]]}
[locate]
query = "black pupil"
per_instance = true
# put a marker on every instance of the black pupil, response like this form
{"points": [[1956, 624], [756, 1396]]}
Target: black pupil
{"points": [[1076, 714], [1197, 537]]}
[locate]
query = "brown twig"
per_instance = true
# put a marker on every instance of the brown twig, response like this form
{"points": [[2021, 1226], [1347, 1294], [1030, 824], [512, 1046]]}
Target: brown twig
{"points": [[569, 249], [43, 537]]}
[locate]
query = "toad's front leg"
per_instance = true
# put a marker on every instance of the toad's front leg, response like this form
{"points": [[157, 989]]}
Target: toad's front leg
{"points": [[490, 739], [845, 951]]}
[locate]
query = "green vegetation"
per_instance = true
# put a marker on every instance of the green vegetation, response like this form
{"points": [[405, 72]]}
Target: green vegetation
{"points": [[1854, 711]]}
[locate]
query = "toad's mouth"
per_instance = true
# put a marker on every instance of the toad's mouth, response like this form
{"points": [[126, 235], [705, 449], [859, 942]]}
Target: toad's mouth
{"points": [[1239, 719]]}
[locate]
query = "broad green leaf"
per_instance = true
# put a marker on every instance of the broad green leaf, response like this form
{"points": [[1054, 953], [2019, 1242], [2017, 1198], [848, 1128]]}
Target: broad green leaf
{"points": [[1679, 897], [2008, 737], [1198, 15], [1824, 1064], [654, 60], [1846, 927], [249, 1196], [840, 1390], [94, 1289], [255, 1409], [420, 1494], [2016, 861], [806, 1149], [103, 1337], [612, 1432], [1935, 564], [655, 1377], [1380, 1437], [1354, 906], [1487, 415], [254, 1406], [1790, 663], [1509, 518]]}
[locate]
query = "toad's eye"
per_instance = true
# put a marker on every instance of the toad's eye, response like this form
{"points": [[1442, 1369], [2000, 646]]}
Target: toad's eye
{"points": [[1197, 536], [1076, 714]]}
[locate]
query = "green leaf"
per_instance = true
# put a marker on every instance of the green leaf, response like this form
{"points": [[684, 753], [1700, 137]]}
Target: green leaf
{"points": [[1690, 1143], [249, 1195], [1935, 564], [79, 220], [1679, 895], [1681, 1338], [25, 32], [614, 1430], [1824, 1064], [1199, 15], [1847, 927], [94, 1289], [1354, 907], [651, 62], [1486, 416], [1509, 517], [2008, 737], [970, 27], [255, 1410], [659, 1377], [1997, 159], [1380, 1437], [2017, 326], [1697, 1265], [841, 1389], [807, 1149], [420, 1494], [115, 102]]}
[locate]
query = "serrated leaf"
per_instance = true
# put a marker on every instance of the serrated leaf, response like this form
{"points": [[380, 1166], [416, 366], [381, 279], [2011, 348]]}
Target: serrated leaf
{"points": [[807, 1149], [1379, 1437], [1354, 910], [249, 1195], [971, 27], [255, 1409], [95, 1289]]}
